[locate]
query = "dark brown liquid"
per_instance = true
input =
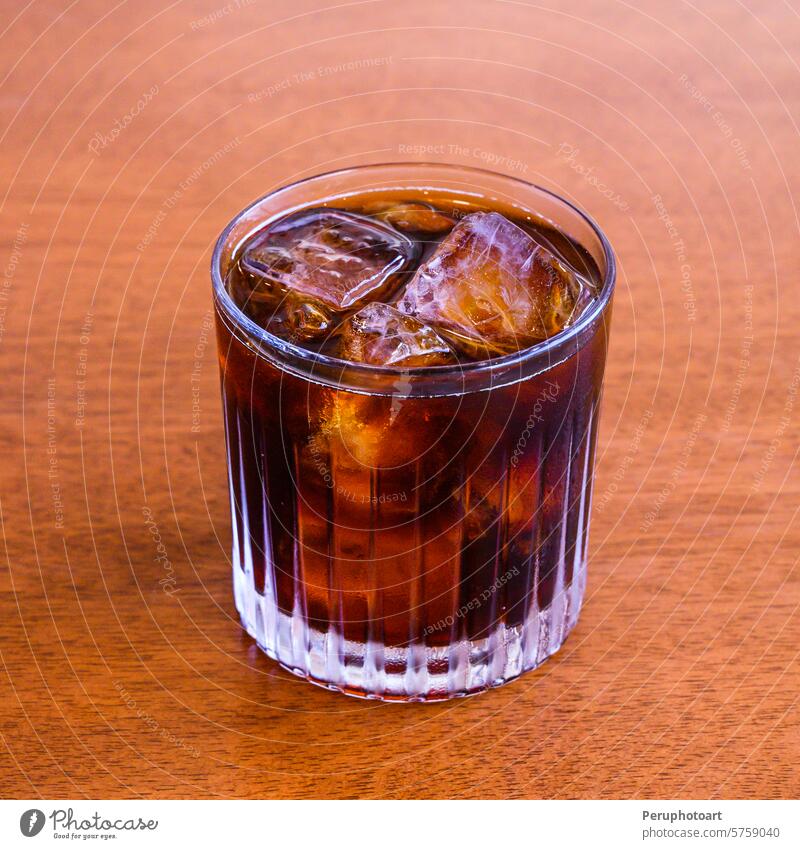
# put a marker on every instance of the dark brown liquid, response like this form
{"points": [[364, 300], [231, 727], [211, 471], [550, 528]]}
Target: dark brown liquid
{"points": [[412, 520]]}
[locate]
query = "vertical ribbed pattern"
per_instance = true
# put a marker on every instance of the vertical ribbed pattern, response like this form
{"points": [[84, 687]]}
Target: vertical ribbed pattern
{"points": [[236, 517], [530, 629], [565, 567], [374, 653], [334, 639], [352, 588], [300, 637], [267, 605], [242, 509], [417, 662], [581, 509], [458, 649], [497, 648]]}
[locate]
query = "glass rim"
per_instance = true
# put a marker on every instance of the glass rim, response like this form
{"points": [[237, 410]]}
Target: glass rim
{"points": [[501, 363]]}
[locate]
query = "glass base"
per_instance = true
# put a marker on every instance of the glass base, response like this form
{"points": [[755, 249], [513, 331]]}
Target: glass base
{"points": [[415, 673]]}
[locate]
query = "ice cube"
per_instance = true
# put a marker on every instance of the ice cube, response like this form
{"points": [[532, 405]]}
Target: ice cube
{"points": [[310, 267], [381, 430], [379, 334], [491, 289], [411, 217]]}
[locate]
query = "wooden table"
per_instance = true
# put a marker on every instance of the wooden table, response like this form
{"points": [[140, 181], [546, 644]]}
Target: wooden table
{"points": [[133, 132]]}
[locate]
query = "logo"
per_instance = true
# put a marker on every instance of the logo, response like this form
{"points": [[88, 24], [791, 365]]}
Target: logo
{"points": [[31, 822]]}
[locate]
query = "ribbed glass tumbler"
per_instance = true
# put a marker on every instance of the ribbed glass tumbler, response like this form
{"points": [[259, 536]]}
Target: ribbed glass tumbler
{"points": [[410, 534]]}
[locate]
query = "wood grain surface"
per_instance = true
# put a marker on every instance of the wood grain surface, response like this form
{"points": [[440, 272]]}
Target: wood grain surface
{"points": [[131, 133]]}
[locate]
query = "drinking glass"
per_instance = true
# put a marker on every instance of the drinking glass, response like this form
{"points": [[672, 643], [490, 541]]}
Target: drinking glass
{"points": [[410, 534]]}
